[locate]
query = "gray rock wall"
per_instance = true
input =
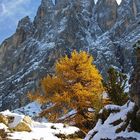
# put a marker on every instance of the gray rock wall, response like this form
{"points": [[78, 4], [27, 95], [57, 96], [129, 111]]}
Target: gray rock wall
{"points": [[135, 78], [30, 53]]}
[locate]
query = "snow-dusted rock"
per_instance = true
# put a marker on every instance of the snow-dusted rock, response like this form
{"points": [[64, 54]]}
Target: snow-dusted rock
{"points": [[24, 128], [30, 53], [115, 124], [32, 109], [17, 122], [3, 131]]}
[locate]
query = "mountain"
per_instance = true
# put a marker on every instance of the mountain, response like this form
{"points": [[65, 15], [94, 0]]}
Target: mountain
{"points": [[105, 29]]}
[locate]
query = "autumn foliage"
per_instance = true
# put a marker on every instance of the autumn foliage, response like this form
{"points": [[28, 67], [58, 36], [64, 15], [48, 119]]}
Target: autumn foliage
{"points": [[76, 85]]}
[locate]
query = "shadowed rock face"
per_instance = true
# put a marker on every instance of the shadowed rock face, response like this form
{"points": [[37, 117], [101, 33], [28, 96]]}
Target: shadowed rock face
{"points": [[106, 13], [106, 30], [135, 78]]}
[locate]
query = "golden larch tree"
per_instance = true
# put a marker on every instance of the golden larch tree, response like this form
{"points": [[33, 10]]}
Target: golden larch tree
{"points": [[76, 85]]}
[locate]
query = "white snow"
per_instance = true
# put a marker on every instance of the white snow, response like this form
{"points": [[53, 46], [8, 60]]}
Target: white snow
{"points": [[71, 113], [44, 132], [91, 110], [40, 131], [32, 109], [3, 126], [62, 25], [37, 135], [112, 107], [118, 1], [107, 130], [105, 95], [127, 87], [95, 1], [53, 2], [17, 118]]}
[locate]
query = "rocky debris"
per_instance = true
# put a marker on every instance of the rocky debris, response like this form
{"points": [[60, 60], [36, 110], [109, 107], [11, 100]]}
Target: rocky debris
{"points": [[30, 54]]}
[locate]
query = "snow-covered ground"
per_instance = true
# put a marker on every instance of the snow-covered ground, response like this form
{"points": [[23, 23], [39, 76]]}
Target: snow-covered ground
{"points": [[32, 109], [39, 131], [50, 131], [106, 130], [44, 131]]}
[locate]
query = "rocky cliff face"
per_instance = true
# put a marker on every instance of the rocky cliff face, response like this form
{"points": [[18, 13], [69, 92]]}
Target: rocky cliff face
{"points": [[135, 78], [105, 29], [106, 11]]}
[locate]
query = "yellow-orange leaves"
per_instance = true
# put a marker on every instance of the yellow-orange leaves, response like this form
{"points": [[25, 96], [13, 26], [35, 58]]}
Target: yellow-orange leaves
{"points": [[77, 85]]}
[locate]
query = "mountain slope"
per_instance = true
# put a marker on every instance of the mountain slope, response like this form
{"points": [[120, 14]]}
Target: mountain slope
{"points": [[105, 29]]}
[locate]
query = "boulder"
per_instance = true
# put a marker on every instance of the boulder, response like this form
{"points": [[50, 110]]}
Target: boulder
{"points": [[15, 122], [3, 134], [22, 126], [27, 120], [3, 131], [3, 119]]}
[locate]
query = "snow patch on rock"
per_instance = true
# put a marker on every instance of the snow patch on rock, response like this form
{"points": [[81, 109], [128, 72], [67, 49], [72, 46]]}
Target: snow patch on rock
{"points": [[17, 118], [106, 129], [32, 109], [44, 131], [118, 1]]}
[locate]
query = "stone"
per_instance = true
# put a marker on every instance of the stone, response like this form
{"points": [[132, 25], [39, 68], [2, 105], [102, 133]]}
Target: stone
{"points": [[3, 134], [106, 13], [22, 126], [3, 119], [27, 120]]}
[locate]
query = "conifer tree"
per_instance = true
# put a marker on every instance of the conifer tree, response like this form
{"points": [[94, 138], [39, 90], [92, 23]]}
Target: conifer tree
{"points": [[115, 86]]}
